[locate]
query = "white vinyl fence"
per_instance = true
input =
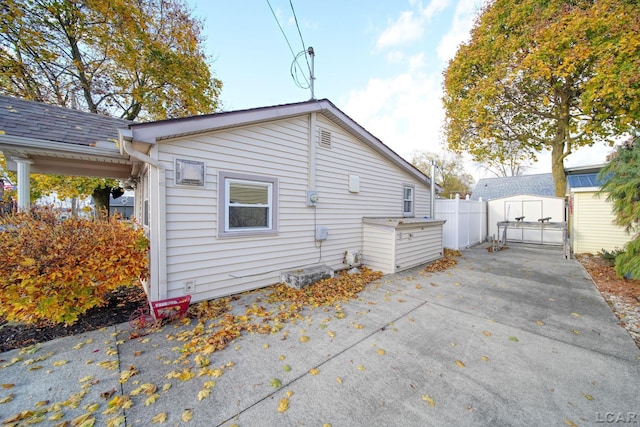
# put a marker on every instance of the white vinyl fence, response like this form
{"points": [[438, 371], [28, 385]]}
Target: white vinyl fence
{"points": [[466, 222]]}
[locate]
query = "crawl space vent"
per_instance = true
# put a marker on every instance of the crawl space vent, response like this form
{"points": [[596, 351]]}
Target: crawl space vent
{"points": [[325, 138]]}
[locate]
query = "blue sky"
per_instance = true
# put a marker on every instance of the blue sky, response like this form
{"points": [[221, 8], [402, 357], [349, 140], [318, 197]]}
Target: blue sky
{"points": [[380, 62]]}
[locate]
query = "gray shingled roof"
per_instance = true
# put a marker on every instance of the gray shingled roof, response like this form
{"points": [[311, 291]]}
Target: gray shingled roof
{"points": [[496, 188], [52, 123]]}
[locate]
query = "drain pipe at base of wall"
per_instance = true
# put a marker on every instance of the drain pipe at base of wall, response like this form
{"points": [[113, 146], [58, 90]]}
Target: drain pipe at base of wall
{"points": [[159, 227]]}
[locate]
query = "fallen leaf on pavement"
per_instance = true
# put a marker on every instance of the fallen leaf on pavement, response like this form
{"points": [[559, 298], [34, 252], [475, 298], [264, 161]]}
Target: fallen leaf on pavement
{"points": [[428, 399], [204, 393], [283, 405], [187, 415], [275, 383], [159, 418]]}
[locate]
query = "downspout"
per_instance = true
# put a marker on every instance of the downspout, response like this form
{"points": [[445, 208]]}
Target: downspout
{"points": [[433, 191], [312, 152], [158, 224]]}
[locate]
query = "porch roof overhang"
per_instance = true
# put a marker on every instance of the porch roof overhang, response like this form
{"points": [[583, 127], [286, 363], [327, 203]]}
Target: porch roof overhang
{"points": [[56, 140], [50, 157]]}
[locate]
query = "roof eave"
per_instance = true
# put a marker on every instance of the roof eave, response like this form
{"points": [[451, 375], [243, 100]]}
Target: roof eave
{"points": [[51, 157]]}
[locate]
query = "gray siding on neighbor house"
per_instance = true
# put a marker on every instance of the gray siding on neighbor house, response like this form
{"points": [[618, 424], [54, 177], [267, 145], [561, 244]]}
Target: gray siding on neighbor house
{"points": [[277, 149]]}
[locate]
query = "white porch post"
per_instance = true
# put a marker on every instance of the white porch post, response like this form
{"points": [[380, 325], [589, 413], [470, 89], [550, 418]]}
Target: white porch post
{"points": [[24, 185]]}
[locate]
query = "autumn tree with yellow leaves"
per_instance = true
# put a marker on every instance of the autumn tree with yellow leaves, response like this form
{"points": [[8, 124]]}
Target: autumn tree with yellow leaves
{"points": [[130, 59], [553, 75]]}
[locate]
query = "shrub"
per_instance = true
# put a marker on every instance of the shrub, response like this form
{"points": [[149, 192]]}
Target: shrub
{"points": [[56, 270], [610, 255], [627, 263]]}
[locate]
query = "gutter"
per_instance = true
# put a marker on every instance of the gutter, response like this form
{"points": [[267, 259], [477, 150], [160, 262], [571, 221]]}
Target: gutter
{"points": [[157, 222]]}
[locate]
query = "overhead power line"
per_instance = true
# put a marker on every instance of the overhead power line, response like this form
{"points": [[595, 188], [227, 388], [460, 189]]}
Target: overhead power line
{"points": [[304, 46], [294, 64]]}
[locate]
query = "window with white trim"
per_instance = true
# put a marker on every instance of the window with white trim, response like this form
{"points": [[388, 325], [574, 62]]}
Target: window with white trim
{"points": [[408, 202], [248, 204]]}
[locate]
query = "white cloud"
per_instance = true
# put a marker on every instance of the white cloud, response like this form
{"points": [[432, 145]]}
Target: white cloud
{"points": [[434, 7], [462, 22], [416, 62], [404, 111], [395, 56], [407, 28]]}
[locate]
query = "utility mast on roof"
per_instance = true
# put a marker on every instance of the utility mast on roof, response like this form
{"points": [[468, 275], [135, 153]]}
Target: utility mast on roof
{"points": [[313, 77], [296, 70]]}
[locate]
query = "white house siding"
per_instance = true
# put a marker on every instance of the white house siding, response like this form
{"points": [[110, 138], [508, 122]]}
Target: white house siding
{"points": [[220, 266], [592, 227]]}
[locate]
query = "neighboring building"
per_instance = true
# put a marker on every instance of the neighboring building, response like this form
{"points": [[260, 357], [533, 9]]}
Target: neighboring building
{"points": [[497, 188], [124, 205], [592, 227], [232, 200]]}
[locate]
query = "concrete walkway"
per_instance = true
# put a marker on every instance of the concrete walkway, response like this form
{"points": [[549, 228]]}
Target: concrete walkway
{"points": [[518, 337]]}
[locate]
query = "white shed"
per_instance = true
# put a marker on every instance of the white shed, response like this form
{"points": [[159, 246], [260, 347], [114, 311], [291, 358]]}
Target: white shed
{"points": [[532, 208]]}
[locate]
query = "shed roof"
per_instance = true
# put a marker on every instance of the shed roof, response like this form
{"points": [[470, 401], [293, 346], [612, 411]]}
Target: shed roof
{"points": [[495, 188]]}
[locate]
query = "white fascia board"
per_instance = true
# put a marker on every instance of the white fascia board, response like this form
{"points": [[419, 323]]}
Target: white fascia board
{"points": [[153, 132], [29, 146]]}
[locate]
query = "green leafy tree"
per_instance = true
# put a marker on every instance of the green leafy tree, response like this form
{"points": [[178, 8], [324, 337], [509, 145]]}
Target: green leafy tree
{"points": [[621, 184], [552, 74], [135, 59], [450, 174]]}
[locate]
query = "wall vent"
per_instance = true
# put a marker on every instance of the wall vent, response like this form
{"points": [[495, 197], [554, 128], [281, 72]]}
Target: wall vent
{"points": [[325, 138]]}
